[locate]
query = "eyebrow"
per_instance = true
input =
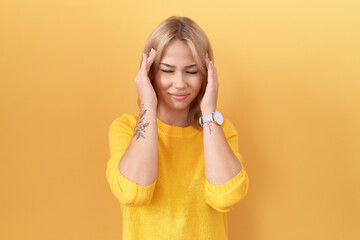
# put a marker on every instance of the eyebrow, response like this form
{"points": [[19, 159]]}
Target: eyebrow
{"points": [[171, 66]]}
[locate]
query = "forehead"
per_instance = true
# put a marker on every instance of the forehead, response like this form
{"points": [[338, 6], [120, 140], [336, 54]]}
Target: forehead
{"points": [[178, 53]]}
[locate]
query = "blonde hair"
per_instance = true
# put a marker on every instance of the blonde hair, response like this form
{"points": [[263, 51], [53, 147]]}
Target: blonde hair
{"points": [[187, 30]]}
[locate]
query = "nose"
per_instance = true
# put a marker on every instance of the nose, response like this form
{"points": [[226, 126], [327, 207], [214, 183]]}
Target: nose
{"points": [[179, 81]]}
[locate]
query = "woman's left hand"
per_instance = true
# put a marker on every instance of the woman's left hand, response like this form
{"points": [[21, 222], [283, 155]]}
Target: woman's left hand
{"points": [[209, 101]]}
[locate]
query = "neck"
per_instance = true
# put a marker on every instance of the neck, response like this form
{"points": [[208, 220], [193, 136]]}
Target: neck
{"points": [[177, 118]]}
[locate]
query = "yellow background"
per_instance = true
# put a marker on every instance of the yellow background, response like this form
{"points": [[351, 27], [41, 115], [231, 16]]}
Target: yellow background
{"points": [[289, 81]]}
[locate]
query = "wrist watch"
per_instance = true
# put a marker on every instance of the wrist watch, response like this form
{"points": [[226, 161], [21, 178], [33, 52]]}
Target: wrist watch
{"points": [[212, 117]]}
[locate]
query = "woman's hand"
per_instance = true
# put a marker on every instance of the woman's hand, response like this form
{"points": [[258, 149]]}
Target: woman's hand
{"points": [[145, 90], [209, 101]]}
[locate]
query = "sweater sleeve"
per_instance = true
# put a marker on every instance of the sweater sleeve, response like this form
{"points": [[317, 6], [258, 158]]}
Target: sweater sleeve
{"points": [[226, 196], [127, 192]]}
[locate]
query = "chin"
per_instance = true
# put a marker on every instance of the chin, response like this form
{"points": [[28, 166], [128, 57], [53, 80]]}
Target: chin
{"points": [[179, 105]]}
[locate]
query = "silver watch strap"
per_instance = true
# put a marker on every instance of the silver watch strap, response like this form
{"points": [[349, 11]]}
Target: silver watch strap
{"points": [[207, 118]]}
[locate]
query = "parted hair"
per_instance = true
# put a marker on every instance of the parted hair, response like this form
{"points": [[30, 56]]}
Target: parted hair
{"points": [[185, 29]]}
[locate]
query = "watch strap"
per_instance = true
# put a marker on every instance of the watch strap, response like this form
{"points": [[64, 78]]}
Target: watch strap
{"points": [[207, 118], [212, 117]]}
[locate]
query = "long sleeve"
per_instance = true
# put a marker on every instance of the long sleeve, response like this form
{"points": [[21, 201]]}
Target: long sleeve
{"points": [[226, 196], [127, 192]]}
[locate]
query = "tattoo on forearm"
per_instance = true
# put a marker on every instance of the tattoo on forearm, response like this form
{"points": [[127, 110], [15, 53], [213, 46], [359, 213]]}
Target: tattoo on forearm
{"points": [[209, 126], [140, 125]]}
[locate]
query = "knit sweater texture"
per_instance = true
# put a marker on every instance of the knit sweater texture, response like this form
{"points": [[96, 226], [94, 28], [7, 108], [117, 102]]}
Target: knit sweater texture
{"points": [[181, 203]]}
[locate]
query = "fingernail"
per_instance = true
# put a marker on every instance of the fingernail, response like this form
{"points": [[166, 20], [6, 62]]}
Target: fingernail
{"points": [[207, 55]]}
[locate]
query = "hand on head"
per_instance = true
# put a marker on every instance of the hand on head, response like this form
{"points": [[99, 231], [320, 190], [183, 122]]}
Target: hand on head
{"points": [[209, 101], [145, 90]]}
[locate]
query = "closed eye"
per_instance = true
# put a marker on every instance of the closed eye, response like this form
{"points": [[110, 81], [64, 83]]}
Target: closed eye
{"points": [[167, 71], [170, 71]]}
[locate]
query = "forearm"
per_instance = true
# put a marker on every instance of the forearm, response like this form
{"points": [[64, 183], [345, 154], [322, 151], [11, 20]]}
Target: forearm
{"points": [[221, 165], [140, 161]]}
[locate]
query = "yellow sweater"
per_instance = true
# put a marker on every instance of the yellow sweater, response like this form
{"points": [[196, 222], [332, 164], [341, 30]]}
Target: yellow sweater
{"points": [[181, 203]]}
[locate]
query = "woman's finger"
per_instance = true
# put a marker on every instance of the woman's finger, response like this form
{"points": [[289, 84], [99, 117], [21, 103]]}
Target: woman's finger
{"points": [[150, 59], [210, 73], [213, 74], [207, 60], [210, 68], [143, 62]]}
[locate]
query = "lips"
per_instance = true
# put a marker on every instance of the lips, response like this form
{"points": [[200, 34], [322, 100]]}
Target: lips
{"points": [[179, 96]]}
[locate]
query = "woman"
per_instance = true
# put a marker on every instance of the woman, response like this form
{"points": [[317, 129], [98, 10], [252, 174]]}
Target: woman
{"points": [[175, 167]]}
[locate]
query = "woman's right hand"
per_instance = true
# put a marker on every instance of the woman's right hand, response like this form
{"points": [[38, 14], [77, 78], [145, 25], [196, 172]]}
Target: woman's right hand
{"points": [[145, 90]]}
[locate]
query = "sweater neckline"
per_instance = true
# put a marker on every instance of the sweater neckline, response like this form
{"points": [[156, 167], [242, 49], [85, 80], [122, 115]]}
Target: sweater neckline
{"points": [[175, 131]]}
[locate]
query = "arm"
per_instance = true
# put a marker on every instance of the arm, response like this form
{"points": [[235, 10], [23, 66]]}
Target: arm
{"points": [[221, 164], [140, 161], [226, 181], [128, 192], [132, 167], [225, 196]]}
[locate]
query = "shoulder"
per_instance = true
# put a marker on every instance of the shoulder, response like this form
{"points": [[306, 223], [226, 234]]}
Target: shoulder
{"points": [[125, 121], [228, 128]]}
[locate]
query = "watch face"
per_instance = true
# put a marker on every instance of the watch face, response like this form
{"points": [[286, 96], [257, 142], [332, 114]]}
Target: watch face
{"points": [[218, 117]]}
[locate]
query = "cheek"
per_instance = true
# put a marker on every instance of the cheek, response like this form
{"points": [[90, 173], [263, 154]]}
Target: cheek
{"points": [[161, 82], [197, 83]]}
